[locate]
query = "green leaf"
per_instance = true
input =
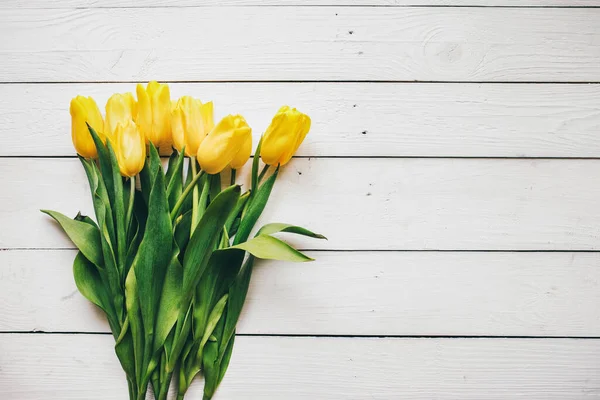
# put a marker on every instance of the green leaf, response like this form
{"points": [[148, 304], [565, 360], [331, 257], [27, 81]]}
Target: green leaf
{"points": [[226, 358], [85, 236], [205, 238], [276, 227], [118, 208], [154, 254], [187, 204], [182, 330], [135, 323], [257, 204], [271, 248], [255, 163], [210, 363], [236, 212], [86, 219], [148, 173], [213, 319], [183, 225], [170, 302], [173, 159], [206, 182], [104, 159], [100, 198], [174, 178], [237, 297], [125, 351], [89, 282]]}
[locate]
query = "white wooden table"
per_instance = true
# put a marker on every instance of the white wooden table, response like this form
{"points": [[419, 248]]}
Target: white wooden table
{"points": [[454, 164]]}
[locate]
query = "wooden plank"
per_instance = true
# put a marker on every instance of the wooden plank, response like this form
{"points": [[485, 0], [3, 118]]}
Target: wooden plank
{"points": [[363, 293], [352, 119], [260, 3], [73, 367], [393, 204], [300, 43]]}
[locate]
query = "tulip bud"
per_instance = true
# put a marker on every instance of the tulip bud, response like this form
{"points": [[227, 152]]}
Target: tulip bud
{"points": [[243, 154], [130, 148], [191, 121], [85, 110], [283, 137], [120, 108], [223, 145], [154, 113]]}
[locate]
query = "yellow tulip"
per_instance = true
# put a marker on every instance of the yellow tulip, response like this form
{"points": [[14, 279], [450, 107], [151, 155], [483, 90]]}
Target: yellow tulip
{"points": [[283, 137], [84, 109], [243, 154], [224, 143], [154, 113], [130, 148], [191, 121], [120, 108]]}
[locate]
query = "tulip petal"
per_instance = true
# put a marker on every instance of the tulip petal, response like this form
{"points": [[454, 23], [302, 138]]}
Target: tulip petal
{"points": [[84, 110], [243, 155], [222, 144], [161, 115], [177, 128], [144, 112]]}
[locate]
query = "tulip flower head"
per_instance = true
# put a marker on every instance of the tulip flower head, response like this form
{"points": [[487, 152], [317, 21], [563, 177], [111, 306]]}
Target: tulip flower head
{"points": [[130, 148], [243, 154], [191, 121], [227, 144], [85, 110], [154, 113], [283, 137], [120, 108]]}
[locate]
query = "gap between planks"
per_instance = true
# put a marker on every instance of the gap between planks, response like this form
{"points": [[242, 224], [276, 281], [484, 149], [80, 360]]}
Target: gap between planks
{"points": [[296, 335]]}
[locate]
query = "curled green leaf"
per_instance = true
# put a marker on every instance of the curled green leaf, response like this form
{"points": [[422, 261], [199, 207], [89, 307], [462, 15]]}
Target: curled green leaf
{"points": [[271, 248]]}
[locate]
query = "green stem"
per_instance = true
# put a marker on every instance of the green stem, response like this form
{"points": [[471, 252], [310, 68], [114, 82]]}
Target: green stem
{"points": [[184, 195], [183, 385], [263, 172], [130, 206], [164, 386], [233, 172], [194, 199], [132, 389]]}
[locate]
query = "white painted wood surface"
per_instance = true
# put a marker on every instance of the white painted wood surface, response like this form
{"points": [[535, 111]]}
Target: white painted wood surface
{"points": [[390, 293], [324, 368], [383, 3], [300, 43], [352, 119], [391, 168], [365, 203]]}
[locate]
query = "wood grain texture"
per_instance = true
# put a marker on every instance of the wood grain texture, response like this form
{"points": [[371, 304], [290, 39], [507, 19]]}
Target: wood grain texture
{"points": [[73, 367], [260, 3], [351, 119], [359, 293], [300, 43], [365, 204]]}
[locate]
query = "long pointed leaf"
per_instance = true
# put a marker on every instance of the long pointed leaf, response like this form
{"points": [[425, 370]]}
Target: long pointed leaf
{"points": [[83, 235], [255, 163], [89, 282], [271, 248], [154, 254], [277, 227], [205, 238], [170, 302], [256, 206]]}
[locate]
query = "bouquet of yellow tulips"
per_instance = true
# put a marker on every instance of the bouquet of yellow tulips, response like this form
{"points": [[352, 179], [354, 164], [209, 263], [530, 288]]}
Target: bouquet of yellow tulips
{"points": [[169, 257]]}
